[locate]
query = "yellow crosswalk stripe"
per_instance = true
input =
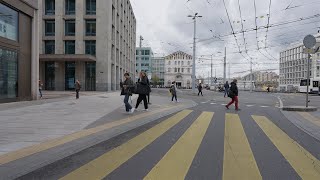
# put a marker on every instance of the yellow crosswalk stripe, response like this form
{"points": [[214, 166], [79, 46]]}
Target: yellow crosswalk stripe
{"points": [[108, 162], [238, 161], [304, 163], [176, 163]]}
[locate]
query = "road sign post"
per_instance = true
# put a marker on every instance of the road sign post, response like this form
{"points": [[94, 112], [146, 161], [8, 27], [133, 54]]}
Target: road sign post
{"points": [[309, 42]]}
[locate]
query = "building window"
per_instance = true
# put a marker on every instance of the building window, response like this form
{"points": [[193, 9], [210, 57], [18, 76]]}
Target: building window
{"points": [[169, 69], [147, 52], [8, 23], [175, 69], [49, 28], [182, 69], [91, 47], [8, 74], [90, 27], [175, 62], [169, 63], [70, 28], [188, 70], [91, 7], [70, 47], [70, 7], [188, 62], [49, 47], [181, 63], [50, 7]]}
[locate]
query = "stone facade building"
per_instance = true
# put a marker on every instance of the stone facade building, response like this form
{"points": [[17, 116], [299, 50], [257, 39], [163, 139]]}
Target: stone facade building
{"points": [[178, 66], [90, 40]]}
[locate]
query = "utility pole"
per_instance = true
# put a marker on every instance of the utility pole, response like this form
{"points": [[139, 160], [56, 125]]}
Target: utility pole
{"points": [[251, 77], [229, 71], [194, 52], [308, 80], [211, 72], [225, 65]]}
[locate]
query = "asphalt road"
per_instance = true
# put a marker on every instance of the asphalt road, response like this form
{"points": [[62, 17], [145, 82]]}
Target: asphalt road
{"points": [[204, 142]]}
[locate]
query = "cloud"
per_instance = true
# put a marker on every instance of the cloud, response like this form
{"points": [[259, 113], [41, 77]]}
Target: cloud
{"points": [[166, 28]]}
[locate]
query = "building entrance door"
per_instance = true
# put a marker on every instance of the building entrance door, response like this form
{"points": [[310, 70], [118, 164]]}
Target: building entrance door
{"points": [[49, 76], [90, 76], [178, 84], [70, 71]]}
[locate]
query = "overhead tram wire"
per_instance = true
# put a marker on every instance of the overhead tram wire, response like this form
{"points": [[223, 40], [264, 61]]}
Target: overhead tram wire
{"points": [[270, 26], [242, 29], [265, 42], [235, 37]]}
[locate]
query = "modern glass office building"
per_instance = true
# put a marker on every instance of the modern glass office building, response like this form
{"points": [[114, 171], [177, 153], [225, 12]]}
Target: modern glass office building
{"points": [[18, 50]]}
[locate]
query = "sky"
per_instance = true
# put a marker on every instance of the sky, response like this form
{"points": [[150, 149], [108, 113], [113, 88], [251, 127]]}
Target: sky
{"points": [[270, 25]]}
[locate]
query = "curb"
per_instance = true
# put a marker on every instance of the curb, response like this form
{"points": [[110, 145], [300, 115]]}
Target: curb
{"points": [[299, 108]]}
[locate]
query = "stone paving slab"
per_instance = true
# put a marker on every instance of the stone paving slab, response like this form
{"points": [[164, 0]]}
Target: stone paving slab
{"points": [[33, 122]]}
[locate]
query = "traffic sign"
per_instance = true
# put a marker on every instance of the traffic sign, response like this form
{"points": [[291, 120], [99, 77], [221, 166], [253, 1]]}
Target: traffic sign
{"points": [[309, 41], [309, 51]]}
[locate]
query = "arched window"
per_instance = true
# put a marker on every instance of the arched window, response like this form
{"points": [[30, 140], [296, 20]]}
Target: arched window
{"points": [[169, 62]]}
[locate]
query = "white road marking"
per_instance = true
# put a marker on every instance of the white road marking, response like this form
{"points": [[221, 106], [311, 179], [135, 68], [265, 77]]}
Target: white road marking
{"points": [[213, 103], [223, 104], [250, 105], [280, 101], [264, 106]]}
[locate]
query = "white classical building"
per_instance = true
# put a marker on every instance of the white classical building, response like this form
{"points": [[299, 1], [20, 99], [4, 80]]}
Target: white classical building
{"points": [[178, 67]]}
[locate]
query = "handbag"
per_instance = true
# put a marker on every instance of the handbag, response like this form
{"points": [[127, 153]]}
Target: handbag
{"points": [[231, 94], [141, 89]]}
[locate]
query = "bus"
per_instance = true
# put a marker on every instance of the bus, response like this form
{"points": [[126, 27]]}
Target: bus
{"points": [[313, 85]]}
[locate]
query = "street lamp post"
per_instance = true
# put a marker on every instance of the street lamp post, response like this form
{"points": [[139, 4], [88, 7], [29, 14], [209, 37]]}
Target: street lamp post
{"points": [[194, 17]]}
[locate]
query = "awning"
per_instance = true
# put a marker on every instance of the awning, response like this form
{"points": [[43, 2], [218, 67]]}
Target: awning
{"points": [[67, 57]]}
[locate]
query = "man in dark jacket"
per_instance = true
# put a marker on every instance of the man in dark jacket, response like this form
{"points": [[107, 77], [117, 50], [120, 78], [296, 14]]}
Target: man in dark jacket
{"points": [[233, 94], [226, 89], [127, 86]]}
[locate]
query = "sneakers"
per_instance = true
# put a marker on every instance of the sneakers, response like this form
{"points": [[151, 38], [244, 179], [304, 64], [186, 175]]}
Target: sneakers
{"points": [[146, 110], [132, 110]]}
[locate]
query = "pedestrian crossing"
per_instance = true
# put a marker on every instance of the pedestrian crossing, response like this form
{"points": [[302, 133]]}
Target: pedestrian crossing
{"points": [[239, 159]]}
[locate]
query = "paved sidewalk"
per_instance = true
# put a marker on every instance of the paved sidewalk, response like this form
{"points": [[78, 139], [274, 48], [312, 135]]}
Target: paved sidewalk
{"points": [[28, 123], [34, 136], [309, 122]]}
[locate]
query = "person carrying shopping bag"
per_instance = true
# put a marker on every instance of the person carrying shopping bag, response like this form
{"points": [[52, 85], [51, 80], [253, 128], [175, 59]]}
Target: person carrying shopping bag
{"points": [[126, 91]]}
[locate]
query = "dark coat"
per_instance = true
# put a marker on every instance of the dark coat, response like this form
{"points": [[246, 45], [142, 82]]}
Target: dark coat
{"points": [[129, 83], [234, 88], [226, 86]]}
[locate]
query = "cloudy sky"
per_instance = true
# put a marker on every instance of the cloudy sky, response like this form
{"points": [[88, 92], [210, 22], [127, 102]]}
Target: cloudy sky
{"points": [[166, 28]]}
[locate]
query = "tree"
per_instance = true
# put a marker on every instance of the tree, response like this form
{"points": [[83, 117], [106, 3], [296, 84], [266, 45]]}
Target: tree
{"points": [[155, 79]]}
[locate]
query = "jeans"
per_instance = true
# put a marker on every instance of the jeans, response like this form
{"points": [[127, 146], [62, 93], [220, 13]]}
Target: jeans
{"points": [[77, 93], [226, 92], [200, 91], [140, 98], [148, 98], [234, 100], [126, 102], [174, 96]]}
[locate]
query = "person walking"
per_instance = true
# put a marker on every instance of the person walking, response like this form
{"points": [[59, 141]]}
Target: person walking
{"points": [[173, 91], [200, 89], [149, 91], [226, 89], [77, 86], [126, 90], [142, 90], [40, 88], [233, 94]]}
